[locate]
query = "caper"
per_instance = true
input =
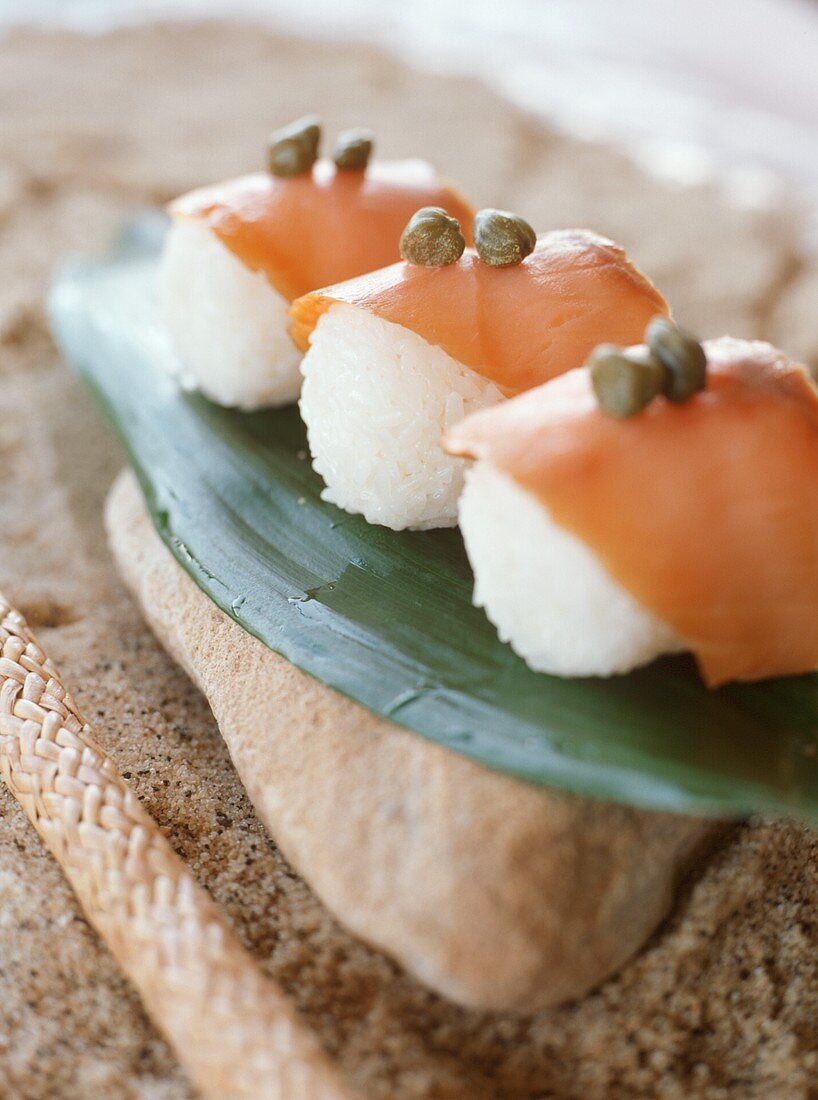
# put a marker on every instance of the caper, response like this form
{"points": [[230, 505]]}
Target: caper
{"points": [[432, 238], [624, 381], [353, 150], [293, 150], [502, 238], [681, 354]]}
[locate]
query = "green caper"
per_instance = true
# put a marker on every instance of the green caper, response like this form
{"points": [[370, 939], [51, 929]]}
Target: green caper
{"points": [[293, 150], [624, 381], [682, 356], [502, 238], [432, 238], [353, 150]]}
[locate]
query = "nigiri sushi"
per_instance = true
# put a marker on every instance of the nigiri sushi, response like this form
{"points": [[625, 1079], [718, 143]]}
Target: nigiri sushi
{"points": [[237, 253], [613, 515], [395, 358]]}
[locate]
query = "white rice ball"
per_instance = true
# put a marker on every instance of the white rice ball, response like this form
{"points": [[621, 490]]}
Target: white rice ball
{"points": [[546, 591], [377, 399], [227, 324]]}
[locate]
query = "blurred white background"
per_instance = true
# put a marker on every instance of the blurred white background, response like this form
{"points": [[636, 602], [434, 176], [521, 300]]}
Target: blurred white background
{"points": [[690, 86]]}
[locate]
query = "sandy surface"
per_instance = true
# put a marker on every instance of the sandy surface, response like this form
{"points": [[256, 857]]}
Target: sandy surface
{"points": [[724, 1002]]}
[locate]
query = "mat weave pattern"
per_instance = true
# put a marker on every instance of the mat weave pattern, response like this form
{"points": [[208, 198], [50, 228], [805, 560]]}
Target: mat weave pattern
{"points": [[231, 1026]]}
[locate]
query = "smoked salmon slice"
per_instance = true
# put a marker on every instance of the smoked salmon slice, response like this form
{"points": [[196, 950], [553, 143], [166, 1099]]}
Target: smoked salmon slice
{"points": [[322, 227], [706, 512], [517, 325]]}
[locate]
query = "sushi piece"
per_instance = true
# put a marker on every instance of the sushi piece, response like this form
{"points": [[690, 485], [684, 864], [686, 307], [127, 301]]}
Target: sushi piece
{"points": [[237, 253], [607, 524], [395, 358]]}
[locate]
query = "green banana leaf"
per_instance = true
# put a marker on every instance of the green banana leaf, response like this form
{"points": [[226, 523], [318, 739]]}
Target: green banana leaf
{"points": [[385, 617]]}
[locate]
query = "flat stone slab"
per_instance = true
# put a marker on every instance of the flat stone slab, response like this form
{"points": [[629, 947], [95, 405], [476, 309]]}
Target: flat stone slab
{"points": [[495, 893]]}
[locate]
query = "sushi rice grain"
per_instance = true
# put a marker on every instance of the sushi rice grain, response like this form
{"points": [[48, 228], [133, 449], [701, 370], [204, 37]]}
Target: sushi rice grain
{"points": [[227, 323], [377, 399], [545, 591]]}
